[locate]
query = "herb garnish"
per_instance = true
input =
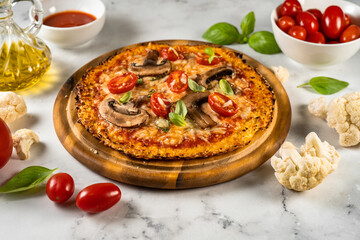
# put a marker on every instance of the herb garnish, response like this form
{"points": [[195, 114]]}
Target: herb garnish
{"points": [[126, 97], [194, 86], [225, 87], [326, 85], [178, 117]]}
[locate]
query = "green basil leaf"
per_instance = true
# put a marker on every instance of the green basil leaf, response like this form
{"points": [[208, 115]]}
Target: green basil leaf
{"points": [[209, 51], [194, 86], [126, 97], [248, 24], [264, 42], [221, 33], [140, 81], [242, 39], [26, 179], [326, 85], [162, 124], [180, 108], [177, 120], [225, 87]]}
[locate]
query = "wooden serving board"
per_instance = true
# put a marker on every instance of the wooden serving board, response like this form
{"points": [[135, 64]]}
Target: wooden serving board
{"points": [[168, 174]]}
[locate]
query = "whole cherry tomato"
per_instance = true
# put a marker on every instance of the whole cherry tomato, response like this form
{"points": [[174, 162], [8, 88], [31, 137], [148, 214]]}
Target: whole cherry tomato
{"points": [[317, 13], [98, 197], [122, 83], [285, 23], [222, 104], [316, 37], [333, 22], [308, 21], [298, 32], [290, 8], [332, 42], [351, 33], [203, 59], [160, 105], [171, 54], [60, 187], [347, 20], [177, 81], [6, 143]]}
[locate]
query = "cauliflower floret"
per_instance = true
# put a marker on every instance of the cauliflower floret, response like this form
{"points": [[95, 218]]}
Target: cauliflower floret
{"points": [[12, 106], [23, 139], [317, 107], [307, 169], [281, 73], [343, 114]]}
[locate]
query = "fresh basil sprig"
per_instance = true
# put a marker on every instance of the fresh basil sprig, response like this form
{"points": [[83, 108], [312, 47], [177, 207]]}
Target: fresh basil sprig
{"points": [[209, 51], [225, 33], [264, 42], [326, 85], [178, 117], [126, 97], [194, 86], [225, 87], [26, 179], [221, 33]]}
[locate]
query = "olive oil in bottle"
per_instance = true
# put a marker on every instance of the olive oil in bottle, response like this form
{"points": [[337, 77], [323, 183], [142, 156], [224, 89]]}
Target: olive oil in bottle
{"points": [[21, 65]]}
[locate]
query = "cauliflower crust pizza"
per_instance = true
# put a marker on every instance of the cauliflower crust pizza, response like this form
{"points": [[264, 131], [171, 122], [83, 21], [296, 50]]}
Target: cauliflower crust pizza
{"points": [[158, 101]]}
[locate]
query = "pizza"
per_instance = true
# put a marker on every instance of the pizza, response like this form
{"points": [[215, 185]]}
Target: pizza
{"points": [[159, 101]]}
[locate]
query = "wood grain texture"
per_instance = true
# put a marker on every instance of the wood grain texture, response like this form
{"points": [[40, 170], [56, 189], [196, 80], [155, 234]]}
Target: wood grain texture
{"points": [[171, 174]]}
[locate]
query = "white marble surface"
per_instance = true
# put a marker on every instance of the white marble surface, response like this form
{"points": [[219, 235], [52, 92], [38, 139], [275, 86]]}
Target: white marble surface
{"points": [[254, 206]]}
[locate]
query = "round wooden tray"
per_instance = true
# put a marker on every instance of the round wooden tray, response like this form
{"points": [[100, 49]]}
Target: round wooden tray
{"points": [[168, 174]]}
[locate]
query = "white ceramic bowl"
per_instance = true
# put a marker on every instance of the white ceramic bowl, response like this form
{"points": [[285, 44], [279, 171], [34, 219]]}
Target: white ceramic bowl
{"points": [[73, 36], [318, 55]]}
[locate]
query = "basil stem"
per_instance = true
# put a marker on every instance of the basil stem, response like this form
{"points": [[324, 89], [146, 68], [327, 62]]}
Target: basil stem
{"points": [[264, 42], [180, 108], [225, 87], [126, 97], [194, 86], [26, 179], [221, 33], [326, 85], [209, 51], [248, 24], [177, 120]]}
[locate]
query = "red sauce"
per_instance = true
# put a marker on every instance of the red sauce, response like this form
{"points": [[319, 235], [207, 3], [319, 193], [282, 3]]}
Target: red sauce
{"points": [[68, 19]]}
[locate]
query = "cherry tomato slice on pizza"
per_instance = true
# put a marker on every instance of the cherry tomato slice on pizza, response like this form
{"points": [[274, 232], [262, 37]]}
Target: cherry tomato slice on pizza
{"points": [[171, 54], [203, 59], [122, 83], [160, 105], [222, 104], [177, 81]]}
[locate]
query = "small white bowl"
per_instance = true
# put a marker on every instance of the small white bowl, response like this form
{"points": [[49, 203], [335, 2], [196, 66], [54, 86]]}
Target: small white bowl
{"points": [[73, 36], [313, 54]]}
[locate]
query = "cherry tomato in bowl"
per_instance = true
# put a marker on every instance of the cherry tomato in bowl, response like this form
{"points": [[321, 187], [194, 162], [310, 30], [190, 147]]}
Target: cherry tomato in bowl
{"points": [[60, 187], [333, 22], [351, 33], [316, 37], [160, 105], [122, 83], [6, 143], [222, 104], [285, 23], [290, 8], [177, 81], [298, 32], [98, 197], [308, 21], [317, 13]]}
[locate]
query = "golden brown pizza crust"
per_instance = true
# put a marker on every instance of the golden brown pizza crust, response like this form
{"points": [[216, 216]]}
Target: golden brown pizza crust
{"points": [[253, 96]]}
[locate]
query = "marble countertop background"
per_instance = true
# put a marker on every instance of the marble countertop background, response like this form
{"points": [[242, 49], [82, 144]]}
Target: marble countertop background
{"points": [[254, 206]]}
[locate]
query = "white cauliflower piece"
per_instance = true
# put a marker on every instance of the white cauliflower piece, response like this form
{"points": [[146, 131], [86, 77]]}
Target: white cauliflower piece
{"points": [[307, 169], [12, 106], [23, 139], [343, 114], [317, 107], [281, 73]]}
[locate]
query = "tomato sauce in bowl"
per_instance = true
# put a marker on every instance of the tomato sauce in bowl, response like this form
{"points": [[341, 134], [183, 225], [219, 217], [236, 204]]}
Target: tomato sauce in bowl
{"points": [[69, 18]]}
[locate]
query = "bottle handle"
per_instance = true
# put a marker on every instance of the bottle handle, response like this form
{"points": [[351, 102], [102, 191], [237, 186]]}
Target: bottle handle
{"points": [[36, 15]]}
